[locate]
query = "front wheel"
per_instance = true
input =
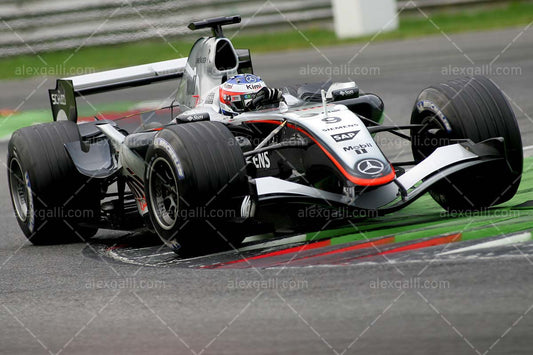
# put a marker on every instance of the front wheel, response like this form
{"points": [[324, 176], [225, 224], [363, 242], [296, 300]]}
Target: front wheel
{"points": [[195, 183], [469, 108]]}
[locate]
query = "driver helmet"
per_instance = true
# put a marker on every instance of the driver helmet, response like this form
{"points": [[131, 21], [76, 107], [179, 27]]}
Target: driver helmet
{"points": [[238, 91]]}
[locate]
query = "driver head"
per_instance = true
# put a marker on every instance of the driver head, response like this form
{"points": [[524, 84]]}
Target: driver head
{"points": [[238, 91]]}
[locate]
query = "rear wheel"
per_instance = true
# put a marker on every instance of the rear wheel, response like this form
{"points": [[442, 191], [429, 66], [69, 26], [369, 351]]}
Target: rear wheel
{"points": [[50, 197], [473, 108], [195, 184]]}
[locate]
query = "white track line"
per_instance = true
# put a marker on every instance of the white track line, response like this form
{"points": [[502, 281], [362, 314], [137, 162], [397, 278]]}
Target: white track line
{"points": [[256, 238], [275, 243], [513, 239], [154, 255]]}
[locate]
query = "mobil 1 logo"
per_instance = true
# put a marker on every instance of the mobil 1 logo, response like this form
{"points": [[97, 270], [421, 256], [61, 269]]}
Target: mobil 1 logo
{"points": [[345, 136], [358, 148]]}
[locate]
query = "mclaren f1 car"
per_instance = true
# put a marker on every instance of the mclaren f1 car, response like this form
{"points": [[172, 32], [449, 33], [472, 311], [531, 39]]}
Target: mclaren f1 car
{"points": [[203, 181]]}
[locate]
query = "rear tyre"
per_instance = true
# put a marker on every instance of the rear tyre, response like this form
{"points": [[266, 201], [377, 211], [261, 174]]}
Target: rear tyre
{"points": [[473, 108], [50, 197], [195, 184]]}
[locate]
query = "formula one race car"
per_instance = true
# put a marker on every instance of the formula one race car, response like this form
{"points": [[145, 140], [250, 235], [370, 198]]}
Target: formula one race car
{"points": [[205, 180]]}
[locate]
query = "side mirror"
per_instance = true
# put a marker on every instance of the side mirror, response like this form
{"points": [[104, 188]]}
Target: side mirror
{"points": [[343, 91]]}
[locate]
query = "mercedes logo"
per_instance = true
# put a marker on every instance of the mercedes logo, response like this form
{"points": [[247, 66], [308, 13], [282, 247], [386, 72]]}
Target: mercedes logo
{"points": [[370, 166]]}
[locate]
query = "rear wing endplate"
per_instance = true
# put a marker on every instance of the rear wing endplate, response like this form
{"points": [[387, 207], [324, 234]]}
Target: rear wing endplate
{"points": [[63, 97]]}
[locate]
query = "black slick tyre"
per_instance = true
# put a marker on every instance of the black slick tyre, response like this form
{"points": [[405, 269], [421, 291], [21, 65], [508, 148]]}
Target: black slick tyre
{"points": [[195, 183], [51, 199], [469, 108]]}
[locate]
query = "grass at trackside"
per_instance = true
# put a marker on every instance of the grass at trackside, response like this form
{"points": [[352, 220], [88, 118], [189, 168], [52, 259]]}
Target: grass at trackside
{"points": [[11, 122], [425, 218], [98, 58]]}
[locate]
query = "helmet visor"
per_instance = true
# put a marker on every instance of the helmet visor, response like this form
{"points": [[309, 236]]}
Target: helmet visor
{"points": [[235, 100]]}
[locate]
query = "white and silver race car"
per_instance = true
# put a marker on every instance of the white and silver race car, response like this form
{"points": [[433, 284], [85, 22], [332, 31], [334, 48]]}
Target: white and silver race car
{"points": [[204, 181]]}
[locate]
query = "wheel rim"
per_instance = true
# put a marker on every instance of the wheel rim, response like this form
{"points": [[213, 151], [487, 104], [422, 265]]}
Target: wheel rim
{"points": [[164, 195], [20, 190], [430, 137]]}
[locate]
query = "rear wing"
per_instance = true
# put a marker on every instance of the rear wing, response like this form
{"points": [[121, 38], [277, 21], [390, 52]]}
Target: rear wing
{"points": [[63, 97]]}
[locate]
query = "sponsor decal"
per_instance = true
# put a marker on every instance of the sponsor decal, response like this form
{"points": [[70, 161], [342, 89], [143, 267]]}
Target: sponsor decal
{"points": [[58, 99], [345, 136], [329, 129], [359, 148], [250, 78], [331, 120], [261, 160], [201, 60], [360, 151], [370, 166], [344, 93], [430, 106], [253, 86], [161, 143], [198, 117]]}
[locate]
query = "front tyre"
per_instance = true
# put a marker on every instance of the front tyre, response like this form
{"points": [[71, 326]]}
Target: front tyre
{"points": [[469, 108], [195, 183]]}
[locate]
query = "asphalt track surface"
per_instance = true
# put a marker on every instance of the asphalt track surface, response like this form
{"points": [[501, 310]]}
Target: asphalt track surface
{"points": [[82, 298]]}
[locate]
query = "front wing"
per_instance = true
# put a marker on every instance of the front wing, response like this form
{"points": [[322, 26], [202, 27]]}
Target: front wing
{"points": [[396, 194]]}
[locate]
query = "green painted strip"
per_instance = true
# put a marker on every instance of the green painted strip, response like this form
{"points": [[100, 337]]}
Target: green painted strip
{"points": [[470, 226], [417, 231], [373, 224], [325, 234], [424, 225], [421, 226]]}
